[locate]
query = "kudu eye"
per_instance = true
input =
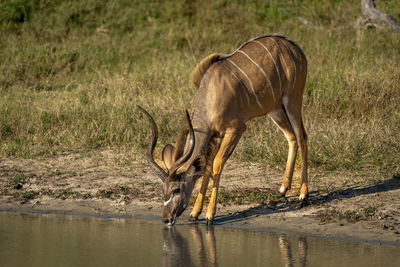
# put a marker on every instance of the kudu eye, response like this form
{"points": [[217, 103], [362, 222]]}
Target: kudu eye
{"points": [[176, 191]]}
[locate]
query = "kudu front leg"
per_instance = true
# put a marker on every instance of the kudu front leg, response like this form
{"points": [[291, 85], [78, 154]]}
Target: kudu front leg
{"points": [[229, 142], [198, 206], [214, 146]]}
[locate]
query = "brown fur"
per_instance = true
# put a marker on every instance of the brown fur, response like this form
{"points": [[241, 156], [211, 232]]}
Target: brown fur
{"points": [[265, 75], [202, 67]]}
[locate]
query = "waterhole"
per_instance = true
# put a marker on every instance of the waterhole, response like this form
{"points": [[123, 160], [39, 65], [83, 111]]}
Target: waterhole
{"points": [[28, 239]]}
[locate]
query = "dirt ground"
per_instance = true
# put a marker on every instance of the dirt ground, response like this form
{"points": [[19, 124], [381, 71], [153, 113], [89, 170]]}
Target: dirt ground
{"points": [[120, 183]]}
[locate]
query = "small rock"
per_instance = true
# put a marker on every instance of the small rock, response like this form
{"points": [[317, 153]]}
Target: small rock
{"points": [[18, 186]]}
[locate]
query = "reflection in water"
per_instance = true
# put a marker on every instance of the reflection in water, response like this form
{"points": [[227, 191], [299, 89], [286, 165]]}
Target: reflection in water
{"points": [[176, 251], [205, 248], [63, 240], [286, 252]]}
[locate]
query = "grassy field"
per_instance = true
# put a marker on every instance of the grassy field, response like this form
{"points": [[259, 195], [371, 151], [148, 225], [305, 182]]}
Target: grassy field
{"points": [[72, 72]]}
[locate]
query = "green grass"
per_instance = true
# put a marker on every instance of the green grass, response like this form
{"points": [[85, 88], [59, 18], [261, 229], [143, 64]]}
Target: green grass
{"points": [[72, 72], [351, 216], [253, 195], [118, 191]]}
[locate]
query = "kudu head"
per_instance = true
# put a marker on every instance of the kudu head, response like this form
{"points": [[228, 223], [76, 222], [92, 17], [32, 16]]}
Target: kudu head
{"points": [[181, 176]]}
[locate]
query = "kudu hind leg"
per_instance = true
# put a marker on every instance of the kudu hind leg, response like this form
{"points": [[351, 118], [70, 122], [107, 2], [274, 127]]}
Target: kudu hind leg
{"points": [[229, 142], [281, 120], [293, 112]]}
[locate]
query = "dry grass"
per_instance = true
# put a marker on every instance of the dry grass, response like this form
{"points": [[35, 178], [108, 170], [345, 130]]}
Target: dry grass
{"points": [[71, 74]]}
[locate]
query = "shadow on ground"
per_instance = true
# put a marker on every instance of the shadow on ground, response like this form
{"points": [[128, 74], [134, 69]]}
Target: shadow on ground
{"points": [[315, 198]]}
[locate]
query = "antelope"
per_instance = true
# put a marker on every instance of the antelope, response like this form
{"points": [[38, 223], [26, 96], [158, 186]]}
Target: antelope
{"points": [[265, 75]]}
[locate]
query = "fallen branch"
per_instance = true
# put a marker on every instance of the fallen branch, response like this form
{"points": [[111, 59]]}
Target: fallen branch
{"points": [[373, 17]]}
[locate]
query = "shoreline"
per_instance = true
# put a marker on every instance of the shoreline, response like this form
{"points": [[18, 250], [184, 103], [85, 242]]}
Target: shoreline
{"points": [[300, 226], [109, 182]]}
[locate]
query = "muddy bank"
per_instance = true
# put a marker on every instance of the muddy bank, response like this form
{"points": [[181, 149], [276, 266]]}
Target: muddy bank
{"points": [[119, 183]]}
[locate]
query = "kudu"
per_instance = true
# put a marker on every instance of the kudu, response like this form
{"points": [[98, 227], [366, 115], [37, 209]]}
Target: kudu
{"points": [[265, 75]]}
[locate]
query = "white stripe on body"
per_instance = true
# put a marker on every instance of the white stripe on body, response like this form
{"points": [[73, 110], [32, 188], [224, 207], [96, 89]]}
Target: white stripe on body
{"points": [[244, 87], [263, 72], [242, 45], [283, 58], [280, 128], [250, 83], [273, 60]]}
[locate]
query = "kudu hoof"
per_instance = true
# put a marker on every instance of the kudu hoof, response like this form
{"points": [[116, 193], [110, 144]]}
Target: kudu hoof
{"points": [[304, 202], [283, 191], [210, 222], [279, 196], [193, 220]]}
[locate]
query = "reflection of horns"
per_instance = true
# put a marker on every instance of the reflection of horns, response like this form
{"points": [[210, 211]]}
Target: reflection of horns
{"points": [[286, 252], [175, 249]]}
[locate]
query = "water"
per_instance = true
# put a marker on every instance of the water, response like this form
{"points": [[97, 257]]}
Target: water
{"points": [[71, 240]]}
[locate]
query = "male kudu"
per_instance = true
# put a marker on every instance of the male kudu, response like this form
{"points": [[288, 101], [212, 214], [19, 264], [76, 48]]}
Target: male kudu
{"points": [[265, 75]]}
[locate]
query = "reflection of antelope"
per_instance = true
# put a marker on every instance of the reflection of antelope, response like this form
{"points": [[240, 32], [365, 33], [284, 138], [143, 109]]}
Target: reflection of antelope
{"points": [[205, 248], [266, 75], [200, 249], [286, 252], [176, 248]]}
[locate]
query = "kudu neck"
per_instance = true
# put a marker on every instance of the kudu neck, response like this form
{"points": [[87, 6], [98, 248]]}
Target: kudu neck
{"points": [[202, 136]]}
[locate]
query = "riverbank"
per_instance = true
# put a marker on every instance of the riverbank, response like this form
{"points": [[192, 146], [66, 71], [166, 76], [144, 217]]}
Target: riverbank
{"points": [[108, 182]]}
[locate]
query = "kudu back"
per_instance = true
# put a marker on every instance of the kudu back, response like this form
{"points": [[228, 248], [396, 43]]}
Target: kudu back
{"points": [[265, 75]]}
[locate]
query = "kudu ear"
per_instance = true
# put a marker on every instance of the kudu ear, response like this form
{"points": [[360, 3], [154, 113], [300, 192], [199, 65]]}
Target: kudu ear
{"points": [[167, 155]]}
